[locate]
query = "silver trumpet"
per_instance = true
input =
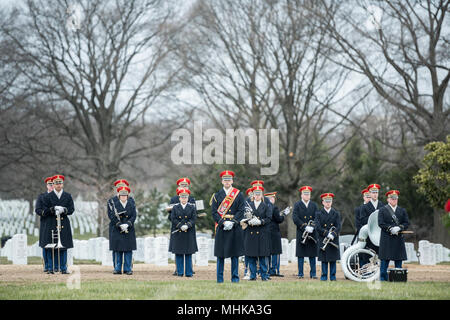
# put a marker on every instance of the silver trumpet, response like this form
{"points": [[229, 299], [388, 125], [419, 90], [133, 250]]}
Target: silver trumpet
{"points": [[327, 240], [305, 235], [248, 215]]}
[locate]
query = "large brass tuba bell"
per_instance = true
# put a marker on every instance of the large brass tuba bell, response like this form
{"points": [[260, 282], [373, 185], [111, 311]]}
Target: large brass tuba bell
{"points": [[350, 258]]}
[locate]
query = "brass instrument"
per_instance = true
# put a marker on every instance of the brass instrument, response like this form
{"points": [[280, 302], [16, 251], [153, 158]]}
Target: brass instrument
{"points": [[305, 235], [350, 258], [327, 240], [58, 245], [248, 215]]}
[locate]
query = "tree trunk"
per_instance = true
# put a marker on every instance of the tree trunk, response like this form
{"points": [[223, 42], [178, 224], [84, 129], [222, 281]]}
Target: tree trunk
{"points": [[291, 227], [440, 233]]}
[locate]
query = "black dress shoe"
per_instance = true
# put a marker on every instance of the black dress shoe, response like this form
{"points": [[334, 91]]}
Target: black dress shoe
{"points": [[314, 278], [300, 277], [65, 272], [117, 272], [175, 273], [50, 272], [129, 273], [254, 279]]}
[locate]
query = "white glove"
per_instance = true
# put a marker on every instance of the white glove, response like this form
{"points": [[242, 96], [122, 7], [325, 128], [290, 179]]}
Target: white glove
{"points": [[330, 236], [395, 230], [254, 221], [309, 229], [184, 227], [124, 227], [59, 209], [228, 225]]}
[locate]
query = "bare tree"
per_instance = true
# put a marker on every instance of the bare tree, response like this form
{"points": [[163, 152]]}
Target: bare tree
{"points": [[102, 69], [265, 65], [402, 49]]}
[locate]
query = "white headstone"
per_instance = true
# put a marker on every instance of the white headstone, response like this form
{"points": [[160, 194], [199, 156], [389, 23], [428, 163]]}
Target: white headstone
{"points": [[70, 257], [284, 258], [211, 250], [292, 250], [19, 249], [439, 252], [106, 254], [426, 250], [84, 249], [139, 255], [162, 251], [149, 250], [202, 254], [99, 249]]}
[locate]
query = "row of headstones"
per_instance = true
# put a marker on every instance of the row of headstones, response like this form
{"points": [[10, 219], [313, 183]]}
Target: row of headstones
{"points": [[432, 253], [10, 209], [154, 250], [15, 217]]}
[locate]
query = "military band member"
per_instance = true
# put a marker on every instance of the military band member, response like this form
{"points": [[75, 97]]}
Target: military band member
{"points": [[227, 209], [328, 225], [122, 241], [392, 220], [249, 198], [182, 183], [304, 215], [363, 257], [366, 211], [366, 198], [58, 202], [257, 239], [117, 184], [39, 210], [266, 200], [275, 237], [184, 241]]}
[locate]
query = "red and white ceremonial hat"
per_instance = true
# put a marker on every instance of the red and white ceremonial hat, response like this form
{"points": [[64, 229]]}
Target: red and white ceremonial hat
{"points": [[393, 194], [49, 179], [183, 181], [258, 189], [327, 196], [365, 192], [257, 183], [373, 187], [305, 189], [183, 191], [123, 190], [270, 194], [249, 190], [121, 182], [58, 178], [227, 175]]}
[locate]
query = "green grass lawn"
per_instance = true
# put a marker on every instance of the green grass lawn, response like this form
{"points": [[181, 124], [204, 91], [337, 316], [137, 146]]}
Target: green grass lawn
{"points": [[206, 289]]}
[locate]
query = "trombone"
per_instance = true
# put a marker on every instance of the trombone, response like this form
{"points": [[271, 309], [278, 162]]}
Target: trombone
{"points": [[58, 245]]}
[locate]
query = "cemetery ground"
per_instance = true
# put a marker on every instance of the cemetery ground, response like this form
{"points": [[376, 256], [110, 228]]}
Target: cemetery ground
{"points": [[96, 282]]}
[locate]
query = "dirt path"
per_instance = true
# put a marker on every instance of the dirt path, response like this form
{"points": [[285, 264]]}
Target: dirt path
{"points": [[146, 272]]}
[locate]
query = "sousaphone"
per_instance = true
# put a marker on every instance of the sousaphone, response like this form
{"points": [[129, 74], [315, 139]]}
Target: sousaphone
{"points": [[350, 258]]}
